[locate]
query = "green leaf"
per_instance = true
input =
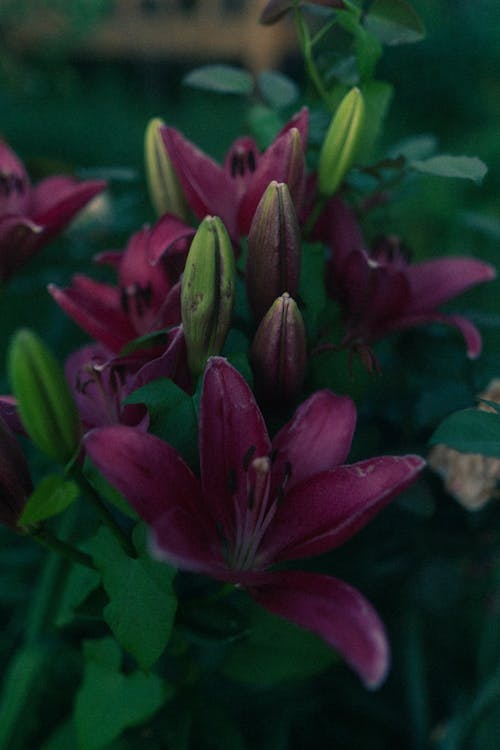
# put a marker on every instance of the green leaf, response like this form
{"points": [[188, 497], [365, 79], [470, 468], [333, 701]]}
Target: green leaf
{"points": [[394, 22], [470, 431], [312, 293], [172, 415], [277, 89], [377, 96], [50, 497], [108, 701], [142, 603], [223, 79], [81, 582], [275, 651], [463, 167], [106, 490]]}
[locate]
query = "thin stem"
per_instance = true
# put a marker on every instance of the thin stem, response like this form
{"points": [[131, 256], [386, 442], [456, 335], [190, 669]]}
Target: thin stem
{"points": [[102, 511], [306, 45], [47, 539]]}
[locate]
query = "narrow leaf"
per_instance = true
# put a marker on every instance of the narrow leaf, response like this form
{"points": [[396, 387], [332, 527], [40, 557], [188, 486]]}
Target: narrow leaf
{"points": [[463, 167], [223, 79], [51, 496]]}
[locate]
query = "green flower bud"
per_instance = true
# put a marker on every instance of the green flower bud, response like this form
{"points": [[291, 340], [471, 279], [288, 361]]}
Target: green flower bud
{"points": [[207, 293], [279, 351], [45, 404], [164, 187], [339, 147], [273, 257]]}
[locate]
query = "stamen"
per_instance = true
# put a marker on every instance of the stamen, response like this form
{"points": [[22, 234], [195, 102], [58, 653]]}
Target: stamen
{"points": [[248, 457], [252, 162]]}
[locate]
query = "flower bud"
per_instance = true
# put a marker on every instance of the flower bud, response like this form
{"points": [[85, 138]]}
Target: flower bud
{"points": [[207, 294], [164, 187], [15, 480], [341, 141], [273, 255], [45, 404], [278, 355]]}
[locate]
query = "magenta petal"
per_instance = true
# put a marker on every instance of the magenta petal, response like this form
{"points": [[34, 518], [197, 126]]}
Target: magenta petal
{"points": [[96, 308], [232, 431], [284, 161], [468, 330], [336, 612], [182, 540], [437, 281], [208, 187], [300, 120], [318, 437], [57, 199], [325, 511], [148, 472], [165, 238]]}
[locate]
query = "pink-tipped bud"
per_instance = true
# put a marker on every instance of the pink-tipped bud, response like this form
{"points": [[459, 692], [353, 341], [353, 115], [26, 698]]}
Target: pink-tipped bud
{"points": [[15, 480], [278, 354], [273, 258]]}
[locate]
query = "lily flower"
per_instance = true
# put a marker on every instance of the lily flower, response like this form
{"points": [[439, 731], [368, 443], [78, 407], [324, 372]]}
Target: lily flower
{"points": [[260, 503], [380, 291], [31, 216], [233, 191], [147, 296]]}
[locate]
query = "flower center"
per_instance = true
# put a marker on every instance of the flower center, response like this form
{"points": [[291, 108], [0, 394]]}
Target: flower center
{"points": [[136, 299], [255, 507], [242, 161]]}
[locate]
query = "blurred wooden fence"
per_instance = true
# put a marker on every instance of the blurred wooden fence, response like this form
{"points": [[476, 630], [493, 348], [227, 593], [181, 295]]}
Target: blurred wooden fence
{"points": [[207, 30]]}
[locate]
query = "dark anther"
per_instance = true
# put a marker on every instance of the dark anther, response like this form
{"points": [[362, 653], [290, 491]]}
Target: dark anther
{"points": [[232, 482], [252, 164], [248, 457], [273, 454], [10, 183], [124, 300]]}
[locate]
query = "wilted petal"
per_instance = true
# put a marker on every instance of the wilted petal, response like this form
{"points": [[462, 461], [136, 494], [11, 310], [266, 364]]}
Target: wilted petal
{"points": [[19, 241], [336, 612], [326, 510], [97, 309], [232, 430], [317, 438], [434, 282]]}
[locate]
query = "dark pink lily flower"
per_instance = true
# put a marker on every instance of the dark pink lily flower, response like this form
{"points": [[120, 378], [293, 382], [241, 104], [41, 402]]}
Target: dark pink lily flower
{"points": [[260, 503], [233, 191], [30, 216], [381, 292], [147, 296], [100, 383], [15, 480]]}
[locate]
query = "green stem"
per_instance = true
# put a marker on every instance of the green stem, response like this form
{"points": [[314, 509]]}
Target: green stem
{"points": [[306, 45], [47, 539], [101, 510]]}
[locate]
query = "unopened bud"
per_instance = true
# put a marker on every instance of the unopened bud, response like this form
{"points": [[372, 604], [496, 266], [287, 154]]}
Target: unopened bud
{"points": [[278, 354], [15, 480], [341, 141], [164, 187], [45, 404], [273, 255], [207, 294]]}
